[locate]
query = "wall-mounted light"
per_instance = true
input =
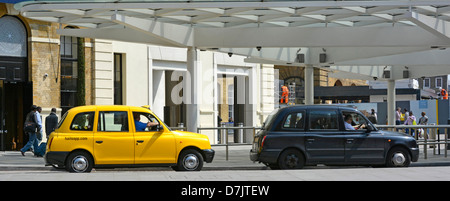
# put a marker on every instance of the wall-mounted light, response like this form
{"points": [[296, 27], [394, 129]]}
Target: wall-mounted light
{"points": [[406, 72]]}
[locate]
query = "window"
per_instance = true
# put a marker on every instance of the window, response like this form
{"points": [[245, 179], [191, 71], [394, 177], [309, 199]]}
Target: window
{"points": [[116, 121], [118, 79], [426, 83], [69, 63], [438, 82], [358, 122], [83, 121], [141, 120], [294, 121], [323, 120]]}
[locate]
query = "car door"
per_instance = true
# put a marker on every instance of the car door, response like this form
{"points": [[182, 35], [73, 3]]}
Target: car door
{"points": [[324, 142], [362, 146], [153, 145], [113, 141]]}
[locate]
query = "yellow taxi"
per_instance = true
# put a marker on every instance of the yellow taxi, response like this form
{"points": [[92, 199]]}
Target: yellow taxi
{"points": [[122, 136]]}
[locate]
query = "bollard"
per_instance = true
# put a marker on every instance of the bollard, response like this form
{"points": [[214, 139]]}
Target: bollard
{"points": [[239, 136], [222, 133], [181, 126]]}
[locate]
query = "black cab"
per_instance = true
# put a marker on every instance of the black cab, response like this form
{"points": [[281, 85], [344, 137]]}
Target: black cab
{"points": [[295, 136]]}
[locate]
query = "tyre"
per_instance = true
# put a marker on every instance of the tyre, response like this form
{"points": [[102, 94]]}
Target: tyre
{"points": [[189, 160], [79, 161], [291, 159], [398, 157]]}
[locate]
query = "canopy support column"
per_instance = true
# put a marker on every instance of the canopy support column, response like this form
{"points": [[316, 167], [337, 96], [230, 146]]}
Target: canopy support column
{"points": [[309, 85], [391, 102], [190, 90]]}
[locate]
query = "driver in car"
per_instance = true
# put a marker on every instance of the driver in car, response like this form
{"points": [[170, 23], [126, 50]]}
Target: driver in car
{"points": [[141, 126], [348, 122]]}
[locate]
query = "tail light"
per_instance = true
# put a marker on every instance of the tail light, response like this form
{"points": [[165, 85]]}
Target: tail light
{"points": [[50, 143], [262, 143]]}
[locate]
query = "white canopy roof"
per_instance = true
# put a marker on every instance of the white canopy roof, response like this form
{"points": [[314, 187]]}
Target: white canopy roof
{"points": [[361, 37]]}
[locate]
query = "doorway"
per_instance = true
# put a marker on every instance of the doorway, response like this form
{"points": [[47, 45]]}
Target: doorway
{"points": [[15, 101], [16, 93]]}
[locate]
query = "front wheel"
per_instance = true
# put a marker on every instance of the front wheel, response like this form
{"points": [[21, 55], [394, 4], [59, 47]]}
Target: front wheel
{"points": [[398, 157], [79, 161], [190, 160]]}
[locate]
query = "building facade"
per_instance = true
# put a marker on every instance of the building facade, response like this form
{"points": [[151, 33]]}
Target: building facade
{"points": [[34, 71], [140, 74]]}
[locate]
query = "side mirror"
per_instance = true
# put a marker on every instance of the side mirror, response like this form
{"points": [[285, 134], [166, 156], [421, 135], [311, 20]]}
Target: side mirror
{"points": [[369, 128], [159, 127]]}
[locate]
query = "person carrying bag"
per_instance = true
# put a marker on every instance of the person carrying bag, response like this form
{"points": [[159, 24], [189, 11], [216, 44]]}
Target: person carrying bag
{"points": [[30, 127], [30, 124]]}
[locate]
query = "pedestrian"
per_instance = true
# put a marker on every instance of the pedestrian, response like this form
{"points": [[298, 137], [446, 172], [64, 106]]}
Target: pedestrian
{"points": [[30, 128], [373, 117], [411, 120], [219, 120], [39, 122], [406, 114], [423, 121], [398, 115], [51, 122]]}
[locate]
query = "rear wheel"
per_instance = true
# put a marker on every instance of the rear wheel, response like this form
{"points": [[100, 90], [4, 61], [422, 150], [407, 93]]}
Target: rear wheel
{"points": [[291, 159], [79, 161]]}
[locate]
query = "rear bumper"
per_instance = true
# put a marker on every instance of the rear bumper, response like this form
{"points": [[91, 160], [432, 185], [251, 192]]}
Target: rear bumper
{"points": [[209, 155], [253, 155], [266, 156], [55, 158]]}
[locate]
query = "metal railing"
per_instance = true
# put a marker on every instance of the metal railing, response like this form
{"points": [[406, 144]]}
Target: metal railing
{"points": [[223, 135], [428, 131], [431, 135]]}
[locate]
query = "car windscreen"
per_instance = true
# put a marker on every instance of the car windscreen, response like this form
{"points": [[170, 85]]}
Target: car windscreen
{"points": [[269, 119], [62, 119]]}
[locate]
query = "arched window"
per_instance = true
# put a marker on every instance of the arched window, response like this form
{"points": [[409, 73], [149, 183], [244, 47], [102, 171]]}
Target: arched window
{"points": [[13, 37], [299, 82], [338, 83], [13, 50]]}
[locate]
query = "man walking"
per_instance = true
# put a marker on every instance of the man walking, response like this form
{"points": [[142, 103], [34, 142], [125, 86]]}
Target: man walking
{"points": [[31, 126], [51, 122]]}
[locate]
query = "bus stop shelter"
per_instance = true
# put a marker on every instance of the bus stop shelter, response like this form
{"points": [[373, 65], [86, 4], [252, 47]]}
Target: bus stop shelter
{"points": [[380, 40]]}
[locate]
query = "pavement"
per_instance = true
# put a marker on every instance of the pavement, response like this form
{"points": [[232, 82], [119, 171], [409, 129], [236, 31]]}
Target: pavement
{"points": [[238, 159]]}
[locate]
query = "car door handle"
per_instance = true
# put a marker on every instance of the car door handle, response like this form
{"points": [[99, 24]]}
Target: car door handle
{"points": [[350, 141], [310, 140], [99, 142], [140, 141]]}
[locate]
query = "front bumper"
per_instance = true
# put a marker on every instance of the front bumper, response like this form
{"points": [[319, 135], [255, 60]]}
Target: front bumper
{"points": [[414, 154], [208, 155]]}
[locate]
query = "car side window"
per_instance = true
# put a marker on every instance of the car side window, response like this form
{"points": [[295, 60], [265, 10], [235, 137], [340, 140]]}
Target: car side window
{"points": [[354, 121], [295, 120], [83, 121], [323, 120], [113, 121], [141, 120]]}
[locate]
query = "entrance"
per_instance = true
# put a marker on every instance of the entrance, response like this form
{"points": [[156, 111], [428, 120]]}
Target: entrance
{"points": [[15, 90], [15, 101]]}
